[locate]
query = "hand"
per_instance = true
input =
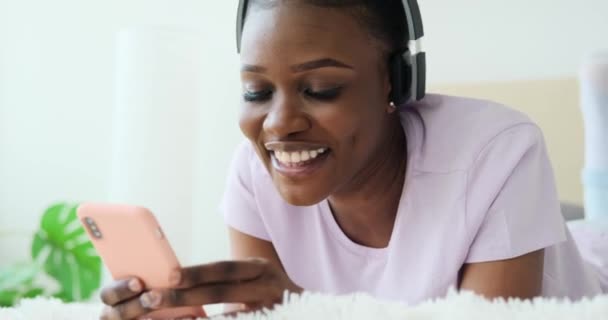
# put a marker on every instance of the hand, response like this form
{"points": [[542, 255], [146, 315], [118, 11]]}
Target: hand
{"points": [[255, 283]]}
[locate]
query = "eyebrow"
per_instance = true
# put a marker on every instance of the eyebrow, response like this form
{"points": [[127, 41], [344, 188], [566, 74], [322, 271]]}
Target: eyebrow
{"points": [[252, 68], [306, 66], [321, 63]]}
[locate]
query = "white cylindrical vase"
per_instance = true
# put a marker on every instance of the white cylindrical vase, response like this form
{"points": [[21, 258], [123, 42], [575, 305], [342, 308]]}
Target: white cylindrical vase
{"points": [[594, 104], [155, 125]]}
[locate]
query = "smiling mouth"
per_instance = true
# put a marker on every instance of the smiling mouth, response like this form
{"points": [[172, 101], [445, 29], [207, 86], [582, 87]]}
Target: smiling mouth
{"points": [[298, 157], [298, 163]]}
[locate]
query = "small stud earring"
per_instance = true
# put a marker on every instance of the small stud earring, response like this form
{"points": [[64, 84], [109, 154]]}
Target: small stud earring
{"points": [[391, 107]]}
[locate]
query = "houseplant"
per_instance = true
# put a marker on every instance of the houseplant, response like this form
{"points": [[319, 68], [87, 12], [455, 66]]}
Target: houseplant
{"points": [[63, 262]]}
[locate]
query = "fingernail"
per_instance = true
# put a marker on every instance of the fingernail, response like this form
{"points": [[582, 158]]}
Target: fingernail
{"points": [[109, 313], [134, 285], [175, 277], [150, 299]]}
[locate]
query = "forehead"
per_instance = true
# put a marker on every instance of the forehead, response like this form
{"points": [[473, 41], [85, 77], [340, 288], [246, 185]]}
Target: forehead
{"points": [[290, 33]]}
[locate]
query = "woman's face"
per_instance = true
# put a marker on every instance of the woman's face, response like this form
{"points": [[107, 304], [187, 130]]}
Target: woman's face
{"points": [[315, 95]]}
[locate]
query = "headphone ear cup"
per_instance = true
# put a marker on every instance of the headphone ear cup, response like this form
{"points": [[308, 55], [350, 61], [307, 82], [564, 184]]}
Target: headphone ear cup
{"points": [[420, 75], [394, 69], [401, 79]]}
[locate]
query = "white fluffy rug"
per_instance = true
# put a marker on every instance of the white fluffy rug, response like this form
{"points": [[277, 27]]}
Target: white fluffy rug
{"points": [[315, 306]]}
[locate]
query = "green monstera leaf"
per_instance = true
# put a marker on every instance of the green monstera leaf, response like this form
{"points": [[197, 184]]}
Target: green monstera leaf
{"points": [[62, 248], [17, 275], [17, 282]]}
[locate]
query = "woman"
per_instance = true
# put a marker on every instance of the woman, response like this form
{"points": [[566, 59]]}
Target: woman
{"points": [[338, 191]]}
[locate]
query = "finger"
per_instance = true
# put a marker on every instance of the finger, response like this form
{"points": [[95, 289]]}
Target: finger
{"points": [[226, 271], [130, 309], [235, 313], [121, 290], [137, 307], [251, 292], [109, 314]]}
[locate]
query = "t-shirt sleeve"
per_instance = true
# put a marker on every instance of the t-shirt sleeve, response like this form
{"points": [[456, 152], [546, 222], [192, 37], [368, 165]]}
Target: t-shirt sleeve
{"points": [[238, 204], [512, 203]]}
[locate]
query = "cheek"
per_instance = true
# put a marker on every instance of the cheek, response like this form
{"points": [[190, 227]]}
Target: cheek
{"points": [[354, 126], [343, 128]]}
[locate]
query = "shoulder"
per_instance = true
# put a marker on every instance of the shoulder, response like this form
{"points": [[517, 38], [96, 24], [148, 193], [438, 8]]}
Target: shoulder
{"points": [[250, 172], [244, 152], [449, 133], [246, 161]]}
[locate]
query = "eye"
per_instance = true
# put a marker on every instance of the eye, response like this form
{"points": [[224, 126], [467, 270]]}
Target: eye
{"points": [[257, 96], [324, 95]]}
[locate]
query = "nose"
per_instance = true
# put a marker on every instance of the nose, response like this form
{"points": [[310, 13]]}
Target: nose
{"points": [[285, 119]]}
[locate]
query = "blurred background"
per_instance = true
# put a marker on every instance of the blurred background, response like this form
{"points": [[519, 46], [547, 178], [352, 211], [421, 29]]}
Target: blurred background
{"points": [[61, 80]]}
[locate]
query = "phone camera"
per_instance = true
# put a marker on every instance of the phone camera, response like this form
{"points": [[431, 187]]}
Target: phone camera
{"points": [[92, 226]]}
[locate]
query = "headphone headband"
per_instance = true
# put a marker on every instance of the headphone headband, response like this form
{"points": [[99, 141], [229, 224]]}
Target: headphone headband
{"points": [[408, 72], [415, 53], [240, 22]]}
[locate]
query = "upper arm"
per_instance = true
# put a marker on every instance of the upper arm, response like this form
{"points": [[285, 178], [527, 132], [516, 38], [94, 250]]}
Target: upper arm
{"points": [[520, 277], [247, 232], [512, 206], [244, 246], [513, 214]]}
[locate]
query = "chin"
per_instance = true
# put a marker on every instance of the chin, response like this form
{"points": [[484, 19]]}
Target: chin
{"points": [[301, 196]]}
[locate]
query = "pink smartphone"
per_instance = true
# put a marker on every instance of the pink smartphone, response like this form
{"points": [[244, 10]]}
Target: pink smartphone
{"points": [[131, 243]]}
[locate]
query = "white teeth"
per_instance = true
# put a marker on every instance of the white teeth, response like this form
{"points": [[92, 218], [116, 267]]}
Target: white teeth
{"points": [[296, 157], [304, 155]]}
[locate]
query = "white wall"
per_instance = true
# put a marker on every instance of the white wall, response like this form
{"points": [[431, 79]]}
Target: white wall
{"points": [[56, 87], [475, 40], [57, 100]]}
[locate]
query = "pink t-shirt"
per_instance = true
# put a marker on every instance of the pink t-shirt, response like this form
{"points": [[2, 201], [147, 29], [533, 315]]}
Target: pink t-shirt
{"points": [[479, 187]]}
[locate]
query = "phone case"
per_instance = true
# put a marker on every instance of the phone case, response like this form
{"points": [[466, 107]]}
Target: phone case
{"points": [[131, 243]]}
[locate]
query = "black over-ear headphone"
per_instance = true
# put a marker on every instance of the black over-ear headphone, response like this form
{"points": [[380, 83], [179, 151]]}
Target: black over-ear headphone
{"points": [[407, 67]]}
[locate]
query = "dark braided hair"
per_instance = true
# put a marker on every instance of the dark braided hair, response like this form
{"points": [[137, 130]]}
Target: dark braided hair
{"points": [[384, 19]]}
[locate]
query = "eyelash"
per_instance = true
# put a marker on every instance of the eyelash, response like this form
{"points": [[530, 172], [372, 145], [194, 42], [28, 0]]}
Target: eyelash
{"points": [[324, 95], [257, 96]]}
